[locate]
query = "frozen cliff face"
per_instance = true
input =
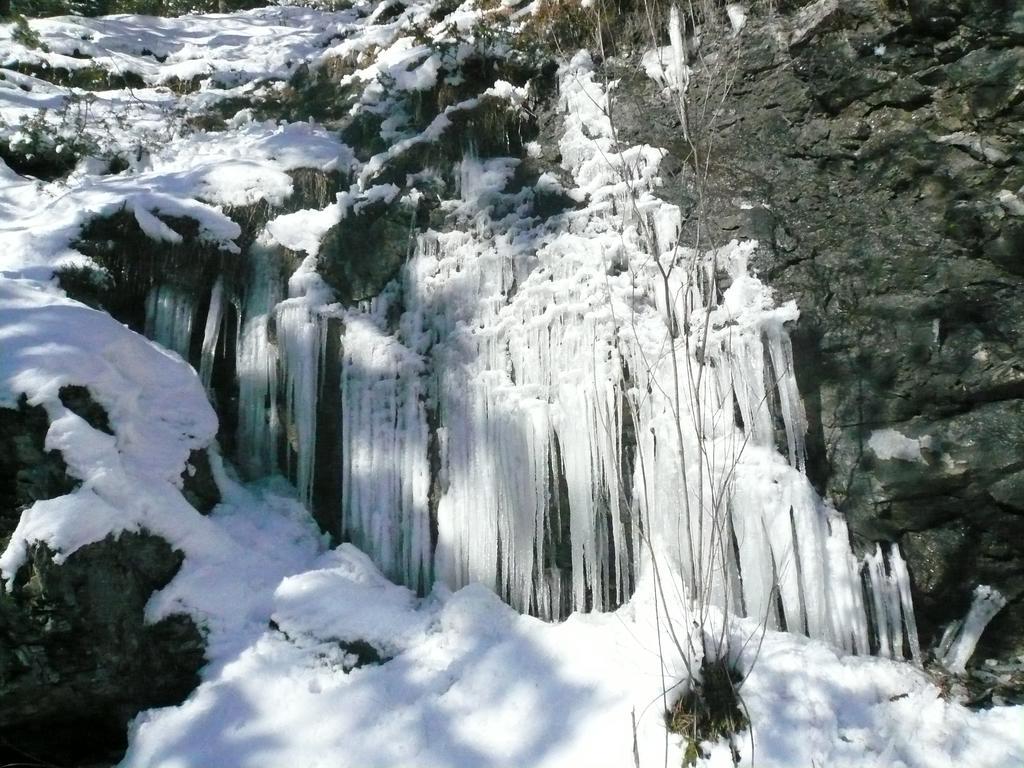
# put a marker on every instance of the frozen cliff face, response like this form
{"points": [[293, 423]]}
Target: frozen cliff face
{"points": [[538, 404], [492, 338], [535, 402]]}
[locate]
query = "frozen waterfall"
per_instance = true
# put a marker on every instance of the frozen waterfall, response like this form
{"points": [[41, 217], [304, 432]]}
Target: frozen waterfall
{"points": [[544, 406]]}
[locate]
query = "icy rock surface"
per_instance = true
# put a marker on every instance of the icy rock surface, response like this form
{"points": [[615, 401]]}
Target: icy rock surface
{"points": [[540, 357], [557, 401]]}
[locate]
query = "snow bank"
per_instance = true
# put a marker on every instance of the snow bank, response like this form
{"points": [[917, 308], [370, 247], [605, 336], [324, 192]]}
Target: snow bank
{"points": [[260, 44], [156, 408], [192, 177], [473, 683]]}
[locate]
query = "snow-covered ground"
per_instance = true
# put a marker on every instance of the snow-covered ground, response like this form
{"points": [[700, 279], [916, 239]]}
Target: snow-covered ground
{"points": [[463, 680], [472, 683]]}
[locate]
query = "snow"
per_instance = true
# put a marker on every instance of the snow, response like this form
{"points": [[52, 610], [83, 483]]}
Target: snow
{"points": [[192, 176], [66, 524], [532, 388], [263, 535], [153, 227], [156, 408], [888, 444], [977, 145], [265, 43], [471, 682], [345, 598], [1011, 202], [304, 230]]}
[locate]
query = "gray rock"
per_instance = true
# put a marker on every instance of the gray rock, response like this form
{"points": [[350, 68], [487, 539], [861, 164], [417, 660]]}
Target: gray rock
{"points": [[885, 139], [76, 652], [77, 657]]}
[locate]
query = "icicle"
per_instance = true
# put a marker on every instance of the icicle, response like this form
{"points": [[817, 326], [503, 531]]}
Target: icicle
{"points": [[888, 596], [470, 173], [257, 363], [301, 339], [385, 470], [793, 415], [679, 75], [169, 315], [211, 334], [849, 619], [874, 565], [961, 638], [898, 568], [755, 558]]}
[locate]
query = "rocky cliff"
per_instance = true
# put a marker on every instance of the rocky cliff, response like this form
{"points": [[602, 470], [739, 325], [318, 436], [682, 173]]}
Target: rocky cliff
{"points": [[875, 151]]}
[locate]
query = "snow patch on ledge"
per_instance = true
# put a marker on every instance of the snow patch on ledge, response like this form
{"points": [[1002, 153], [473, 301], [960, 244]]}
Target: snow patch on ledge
{"points": [[888, 444]]}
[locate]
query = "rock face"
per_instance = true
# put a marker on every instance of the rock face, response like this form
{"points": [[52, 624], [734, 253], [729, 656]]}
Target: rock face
{"points": [[76, 654], [28, 472], [77, 658], [875, 152]]}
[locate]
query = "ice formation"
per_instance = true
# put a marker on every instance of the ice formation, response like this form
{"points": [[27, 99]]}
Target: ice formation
{"points": [[279, 353], [257, 362], [300, 341], [531, 404], [961, 637], [211, 333], [385, 474], [169, 317], [547, 407], [892, 608]]}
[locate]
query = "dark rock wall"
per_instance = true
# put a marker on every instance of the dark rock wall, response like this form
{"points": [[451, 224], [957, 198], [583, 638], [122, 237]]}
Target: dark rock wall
{"points": [[28, 472], [77, 658], [881, 149]]}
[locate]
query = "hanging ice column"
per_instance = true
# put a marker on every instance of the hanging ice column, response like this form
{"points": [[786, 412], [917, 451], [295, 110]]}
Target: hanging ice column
{"points": [[890, 604], [301, 339], [385, 473], [211, 333], [586, 403], [169, 316], [280, 347], [496, 439], [257, 361]]}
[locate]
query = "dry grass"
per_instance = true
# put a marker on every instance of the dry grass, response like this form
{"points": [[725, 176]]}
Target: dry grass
{"points": [[710, 711]]}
